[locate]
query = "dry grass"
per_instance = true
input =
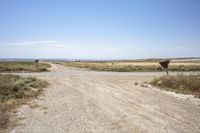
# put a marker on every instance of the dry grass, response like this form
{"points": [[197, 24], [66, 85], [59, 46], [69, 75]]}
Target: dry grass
{"points": [[14, 91], [22, 67], [137, 66], [186, 84]]}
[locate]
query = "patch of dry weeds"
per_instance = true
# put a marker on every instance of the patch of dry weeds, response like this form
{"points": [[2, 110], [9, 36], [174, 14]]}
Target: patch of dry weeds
{"points": [[186, 84], [15, 91]]}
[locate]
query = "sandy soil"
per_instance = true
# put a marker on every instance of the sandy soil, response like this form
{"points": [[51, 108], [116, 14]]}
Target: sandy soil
{"points": [[82, 101]]}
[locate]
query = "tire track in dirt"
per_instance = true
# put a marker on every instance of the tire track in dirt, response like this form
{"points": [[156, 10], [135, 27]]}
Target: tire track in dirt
{"points": [[88, 101]]}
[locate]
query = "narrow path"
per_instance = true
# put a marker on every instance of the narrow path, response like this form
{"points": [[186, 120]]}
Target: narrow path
{"points": [[80, 101]]}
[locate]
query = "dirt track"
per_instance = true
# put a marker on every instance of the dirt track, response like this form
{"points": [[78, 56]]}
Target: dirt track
{"points": [[79, 101]]}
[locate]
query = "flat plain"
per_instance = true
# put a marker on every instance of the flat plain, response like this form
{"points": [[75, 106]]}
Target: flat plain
{"points": [[81, 100], [133, 66]]}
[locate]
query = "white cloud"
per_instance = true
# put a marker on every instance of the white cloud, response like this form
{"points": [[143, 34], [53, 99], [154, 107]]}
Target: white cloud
{"points": [[49, 43], [170, 48], [95, 50], [180, 47]]}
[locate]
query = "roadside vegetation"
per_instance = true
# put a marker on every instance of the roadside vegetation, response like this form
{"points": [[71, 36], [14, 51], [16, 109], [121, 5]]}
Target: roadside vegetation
{"points": [[23, 67], [134, 66], [15, 91], [186, 84]]}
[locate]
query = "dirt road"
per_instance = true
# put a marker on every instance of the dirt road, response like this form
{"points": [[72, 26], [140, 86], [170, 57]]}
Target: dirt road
{"points": [[82, 101]]}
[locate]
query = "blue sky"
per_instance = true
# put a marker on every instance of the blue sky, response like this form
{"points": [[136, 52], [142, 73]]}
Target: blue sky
{"points": [[99, 29]]}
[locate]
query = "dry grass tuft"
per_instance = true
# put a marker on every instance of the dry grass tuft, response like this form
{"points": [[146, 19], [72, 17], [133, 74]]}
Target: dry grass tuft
{"points": [[23, 67], [14, 91], [186, 84]]}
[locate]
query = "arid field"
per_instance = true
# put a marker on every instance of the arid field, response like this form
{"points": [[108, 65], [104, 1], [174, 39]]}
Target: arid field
{"points": [[99, 66], [23, 66], [134, 66], [79, 99]]}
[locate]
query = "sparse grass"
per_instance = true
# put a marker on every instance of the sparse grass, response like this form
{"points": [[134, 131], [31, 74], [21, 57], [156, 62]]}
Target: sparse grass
{"points": [[186, 84], [134, 66], [22, 67], [14, 91]]}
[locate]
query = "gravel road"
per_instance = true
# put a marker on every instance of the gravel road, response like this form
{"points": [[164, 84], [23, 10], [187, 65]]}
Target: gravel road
{"points": [[83, 101]]}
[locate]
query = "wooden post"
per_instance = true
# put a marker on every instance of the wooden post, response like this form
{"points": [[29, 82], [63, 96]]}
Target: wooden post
{"points": [[167, 71], [36, 61]]}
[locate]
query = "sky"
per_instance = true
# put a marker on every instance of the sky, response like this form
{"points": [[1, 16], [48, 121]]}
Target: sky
{"points": [[99, 29]]}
